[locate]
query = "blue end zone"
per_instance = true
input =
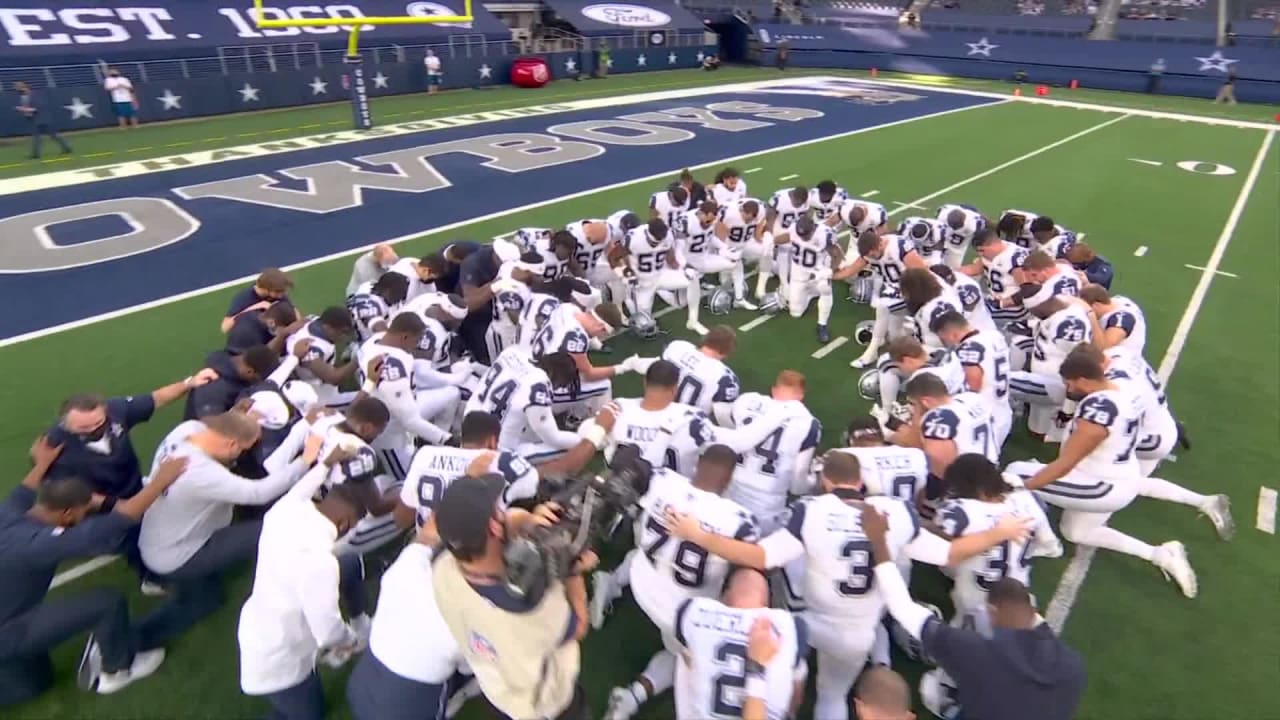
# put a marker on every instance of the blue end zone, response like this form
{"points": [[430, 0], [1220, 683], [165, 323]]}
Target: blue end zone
{"points": [[213, 239]]}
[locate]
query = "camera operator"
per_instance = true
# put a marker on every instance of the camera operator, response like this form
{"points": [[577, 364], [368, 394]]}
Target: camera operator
{"points": [[522, 648]]}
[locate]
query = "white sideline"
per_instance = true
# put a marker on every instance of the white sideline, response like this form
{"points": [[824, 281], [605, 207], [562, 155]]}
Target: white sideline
{"points": [[1064, 598], [53, 330]]}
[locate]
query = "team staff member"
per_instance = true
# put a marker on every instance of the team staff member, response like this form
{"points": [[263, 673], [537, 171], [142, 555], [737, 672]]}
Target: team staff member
{"points": [[445, 266], [272, 286], [33, 105], [93, 433], [292, 614], [239, 375], [475, 274], [43, 523], [1024, 670], [524, 652], [697, 191], [271, 327]]}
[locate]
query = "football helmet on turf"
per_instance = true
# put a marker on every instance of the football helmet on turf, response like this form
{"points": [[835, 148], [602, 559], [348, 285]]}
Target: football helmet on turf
{"points": [[864, 331], [720, 301], [869, 385], [771, 303], [643, 325]]}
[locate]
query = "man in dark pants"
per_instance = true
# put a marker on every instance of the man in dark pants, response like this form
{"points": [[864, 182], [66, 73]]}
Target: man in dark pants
{"points": [[45, 522], [33, 106], [1022, 671], [236, 375], [446, 265], [477, 271]]}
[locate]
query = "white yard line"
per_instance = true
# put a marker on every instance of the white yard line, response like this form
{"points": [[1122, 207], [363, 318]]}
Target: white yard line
{"points": [[1142, 250], [752, 170], [829, 348], [1064, 598], [870, 193], [753, 324], [44, 332], [81, 570], [785, 178], [1266, 521], [1224, 273]]}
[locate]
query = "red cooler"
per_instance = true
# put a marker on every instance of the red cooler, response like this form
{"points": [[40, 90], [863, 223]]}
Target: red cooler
{"points": [[530, 72]]}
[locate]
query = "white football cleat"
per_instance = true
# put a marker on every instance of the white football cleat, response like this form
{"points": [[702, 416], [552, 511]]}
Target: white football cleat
{"points": [[745, 304], [1219, 511], [622, 704], [865, 361], [601, 597], [1171, 558], [144, 663], [697, 327]]}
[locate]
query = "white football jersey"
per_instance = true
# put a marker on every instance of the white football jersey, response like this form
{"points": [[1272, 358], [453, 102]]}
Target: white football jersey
{"points": [[646, 258], [436, 467], [965, 420], [741, 230], [1134, 374], [1057, 335], [988, 351], [946, 301], [711, 671], [667, 570], [511, 386], [704, 380], [650, 430], [815, 252], [697, 238], [531, 238], [561, 333], [1065, 281], [321, 349], [941, 363], [395, 385], [839, 577], [1057, 246], [969, 290], [435, 343], [768, 471], [822, 211], [724, 196], [999, 270], [508, 304], [614, 221], [668, 211], [958, 239], [552, 266], [931, 245], [366, 309], [408, 268], [1128, 317], [786, 211], [874, 217], [589, 254], [534, 315], [1010, 559], [891, 470], [1120, 413], [891, 263]]}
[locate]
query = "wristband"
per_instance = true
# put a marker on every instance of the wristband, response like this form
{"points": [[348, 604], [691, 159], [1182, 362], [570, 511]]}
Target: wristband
{"points": [[593, 433], [756, 687], [753, 668], [187, 382], [368, 387]]}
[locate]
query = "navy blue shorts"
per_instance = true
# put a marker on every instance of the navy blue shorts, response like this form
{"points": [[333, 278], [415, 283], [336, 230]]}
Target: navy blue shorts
{"points": [[123, 109]]}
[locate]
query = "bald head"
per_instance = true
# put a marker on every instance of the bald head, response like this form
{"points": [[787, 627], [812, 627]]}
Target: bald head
{"points": [[746, 588], [882, 694]]}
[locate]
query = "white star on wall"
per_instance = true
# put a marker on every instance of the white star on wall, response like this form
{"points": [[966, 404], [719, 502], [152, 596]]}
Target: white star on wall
{"points": [[248, 93], [318, 87], [641, 60], [1216, 61], [701, 56], [486, 72], [79, 108], [380, 80], [671, 59], [571, 65], [982, 47], [609, 62], [171, 101]]}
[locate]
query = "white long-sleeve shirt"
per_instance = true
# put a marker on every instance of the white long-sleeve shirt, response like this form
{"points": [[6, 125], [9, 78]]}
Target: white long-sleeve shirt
{"points": [[292, 612], [202, 500]]}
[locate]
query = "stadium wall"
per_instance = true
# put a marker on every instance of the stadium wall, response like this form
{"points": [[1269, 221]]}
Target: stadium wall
{"points": [[83, 107], [1196, 70]]}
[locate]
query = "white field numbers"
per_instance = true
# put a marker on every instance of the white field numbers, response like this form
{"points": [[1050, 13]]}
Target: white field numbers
{"points": [[1199, 167]]}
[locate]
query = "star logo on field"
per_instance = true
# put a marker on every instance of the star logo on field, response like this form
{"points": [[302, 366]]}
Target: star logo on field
{"points": [[982, 47], [571, 65], [79, 109], [641, 61], [1216, 61], [318, 87], [486, 72], [380, 80], [671, 58], [170, 101], [248, 93]]}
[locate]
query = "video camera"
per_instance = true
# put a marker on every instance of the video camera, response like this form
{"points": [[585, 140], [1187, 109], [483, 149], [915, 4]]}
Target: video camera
{"points": [[590, 509]]}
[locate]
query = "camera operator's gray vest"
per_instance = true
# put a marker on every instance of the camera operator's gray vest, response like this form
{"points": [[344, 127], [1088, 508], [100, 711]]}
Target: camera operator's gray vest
{"points": [[520, 660]]}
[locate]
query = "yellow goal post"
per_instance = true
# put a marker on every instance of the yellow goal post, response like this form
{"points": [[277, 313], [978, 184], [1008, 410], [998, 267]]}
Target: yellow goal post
{"points": [[353, 40]]}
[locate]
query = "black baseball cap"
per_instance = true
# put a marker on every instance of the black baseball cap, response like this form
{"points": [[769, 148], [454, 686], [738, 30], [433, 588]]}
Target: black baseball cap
{"points": [[462, 515]]}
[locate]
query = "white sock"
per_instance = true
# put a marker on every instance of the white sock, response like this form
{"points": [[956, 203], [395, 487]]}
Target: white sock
{"points": [[1165, 490], [739, 282], [825, 303], [669, 297], [695, 299], [1110, 539], [617, 292], [660, 672]]}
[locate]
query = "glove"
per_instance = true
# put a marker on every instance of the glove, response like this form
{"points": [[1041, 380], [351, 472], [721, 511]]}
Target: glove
{"points": [[506, 285], [460, 373], [822, 274], [641, 365], [628, 365], [691, 273]]}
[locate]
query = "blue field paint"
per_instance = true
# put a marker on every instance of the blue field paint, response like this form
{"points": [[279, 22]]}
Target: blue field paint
{"points": [[237, 238]]}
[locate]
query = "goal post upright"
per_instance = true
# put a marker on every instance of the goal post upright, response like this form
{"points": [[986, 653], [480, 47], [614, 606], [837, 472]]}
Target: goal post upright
{"points": [[355, 82]]}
